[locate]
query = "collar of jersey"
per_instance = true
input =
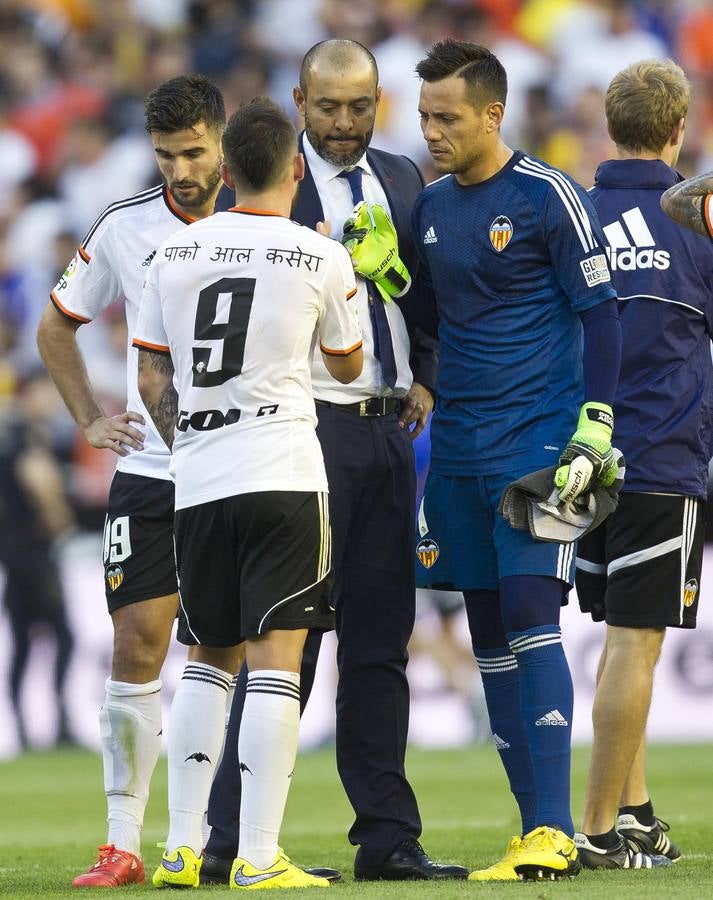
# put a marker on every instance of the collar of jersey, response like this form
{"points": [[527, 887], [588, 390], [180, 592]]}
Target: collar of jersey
{"points": [[249, 211], [171, 204], [635, 173]]}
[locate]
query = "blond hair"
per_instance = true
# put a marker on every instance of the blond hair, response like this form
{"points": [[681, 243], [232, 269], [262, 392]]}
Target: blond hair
{"points": [[644, 102]]}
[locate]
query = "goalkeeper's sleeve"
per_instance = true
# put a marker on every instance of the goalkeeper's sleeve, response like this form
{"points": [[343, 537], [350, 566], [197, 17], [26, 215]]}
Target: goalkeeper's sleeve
{"points": [[587, 459]]}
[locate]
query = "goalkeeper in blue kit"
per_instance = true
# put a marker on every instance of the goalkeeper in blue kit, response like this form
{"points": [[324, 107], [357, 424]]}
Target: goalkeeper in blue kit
{"points": [[514, 278]]}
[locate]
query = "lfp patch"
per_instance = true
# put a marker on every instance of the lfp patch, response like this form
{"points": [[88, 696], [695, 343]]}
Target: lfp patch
{"points": [[501, 231], [427, 552]]}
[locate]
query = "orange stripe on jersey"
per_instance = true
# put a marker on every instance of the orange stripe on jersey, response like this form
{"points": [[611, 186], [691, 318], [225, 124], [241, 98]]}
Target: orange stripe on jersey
{"points": [[154, 348], [708, 213], [351, 293], [255, 212], [339, 352], [67, 312], [171, 204], [83, 253]]}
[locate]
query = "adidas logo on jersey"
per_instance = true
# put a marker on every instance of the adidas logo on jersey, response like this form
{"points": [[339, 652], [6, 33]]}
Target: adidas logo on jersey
{"points": [[430, 236], [635, 249], [553, 717], [500, 744], [147, 261]]}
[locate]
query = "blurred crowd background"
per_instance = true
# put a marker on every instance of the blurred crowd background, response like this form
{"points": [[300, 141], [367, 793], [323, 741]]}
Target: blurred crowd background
{"points": [[73, 75]]}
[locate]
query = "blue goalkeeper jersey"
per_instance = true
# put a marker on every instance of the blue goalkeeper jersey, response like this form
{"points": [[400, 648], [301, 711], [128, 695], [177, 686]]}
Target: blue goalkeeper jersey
{"points": [[663, 273], [511, 262]]}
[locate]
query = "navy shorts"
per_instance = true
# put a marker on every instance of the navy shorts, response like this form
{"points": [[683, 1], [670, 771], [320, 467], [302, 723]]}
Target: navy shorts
{"points": [[462, 542]]}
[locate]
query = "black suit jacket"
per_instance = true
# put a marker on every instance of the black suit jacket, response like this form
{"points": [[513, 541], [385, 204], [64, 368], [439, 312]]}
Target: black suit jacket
{"points": [[402, 183]]}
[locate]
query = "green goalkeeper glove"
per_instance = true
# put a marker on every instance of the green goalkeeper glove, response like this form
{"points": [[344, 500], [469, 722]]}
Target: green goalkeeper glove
{"points": [[370, 238], [588, 458]]}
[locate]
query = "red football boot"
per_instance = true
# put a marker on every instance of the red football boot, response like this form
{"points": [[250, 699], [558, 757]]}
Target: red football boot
{"points": [[114, 868]]}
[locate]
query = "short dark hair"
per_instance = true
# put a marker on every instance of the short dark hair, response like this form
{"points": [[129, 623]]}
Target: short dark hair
{"points": [[183, 102], [340, 52], [257, 142], [482, 71]]}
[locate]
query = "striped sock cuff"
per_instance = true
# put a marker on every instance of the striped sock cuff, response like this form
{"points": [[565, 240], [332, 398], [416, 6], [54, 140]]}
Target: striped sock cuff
{"points": [[195, 671], [282, 684], [534, 638], [492, 662]]}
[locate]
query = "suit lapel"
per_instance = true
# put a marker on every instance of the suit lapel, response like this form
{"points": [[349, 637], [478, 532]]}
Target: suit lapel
{"points": [[308, 207], [383, 172]]}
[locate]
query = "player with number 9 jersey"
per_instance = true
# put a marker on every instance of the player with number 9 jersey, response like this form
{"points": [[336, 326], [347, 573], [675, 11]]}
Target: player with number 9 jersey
{"points": [[238, 300]]}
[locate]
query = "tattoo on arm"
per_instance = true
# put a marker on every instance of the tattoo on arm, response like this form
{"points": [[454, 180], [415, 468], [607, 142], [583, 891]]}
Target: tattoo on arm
{"points": [[159, 362], [684, 202], [164, 411], [686, 210], [165, 414]]}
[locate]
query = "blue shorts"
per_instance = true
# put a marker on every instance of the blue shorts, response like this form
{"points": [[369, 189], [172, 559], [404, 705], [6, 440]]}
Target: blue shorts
{"points": [[462, 543]]}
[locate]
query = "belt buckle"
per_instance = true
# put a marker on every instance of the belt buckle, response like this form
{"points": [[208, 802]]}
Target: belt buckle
{"points": [[364, 407]]}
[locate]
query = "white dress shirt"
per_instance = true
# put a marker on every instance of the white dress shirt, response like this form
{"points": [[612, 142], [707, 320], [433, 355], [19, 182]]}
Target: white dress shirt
{"points": [[336, 198]]}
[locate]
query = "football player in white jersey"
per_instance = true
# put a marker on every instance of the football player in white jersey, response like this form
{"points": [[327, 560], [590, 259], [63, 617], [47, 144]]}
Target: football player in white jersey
{"points": [[232, 308], [184, 118]]}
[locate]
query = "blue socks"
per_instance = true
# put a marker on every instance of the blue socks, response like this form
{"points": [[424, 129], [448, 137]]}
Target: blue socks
{"points": [[501, 683], [546, 701]]}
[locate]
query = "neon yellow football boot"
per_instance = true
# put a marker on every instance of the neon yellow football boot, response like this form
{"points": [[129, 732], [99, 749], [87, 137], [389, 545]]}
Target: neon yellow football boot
{"points": [[179, 869], [503, 869], [281, 874], [547, 854]]}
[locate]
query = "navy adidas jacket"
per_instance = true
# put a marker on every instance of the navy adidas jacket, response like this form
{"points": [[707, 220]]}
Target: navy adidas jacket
{"points": [[663, 274], [402, 183]]}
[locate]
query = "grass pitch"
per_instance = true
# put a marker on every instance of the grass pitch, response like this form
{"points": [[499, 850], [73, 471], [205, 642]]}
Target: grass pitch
{"points": [[52, 818]]}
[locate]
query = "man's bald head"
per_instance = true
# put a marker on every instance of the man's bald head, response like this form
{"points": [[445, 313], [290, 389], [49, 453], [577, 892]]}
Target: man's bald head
{"points": [[336, 56]]}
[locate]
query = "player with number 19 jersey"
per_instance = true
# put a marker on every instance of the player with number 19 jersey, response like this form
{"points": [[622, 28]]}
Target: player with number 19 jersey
{"points": [[111, 265], [238, 300]]}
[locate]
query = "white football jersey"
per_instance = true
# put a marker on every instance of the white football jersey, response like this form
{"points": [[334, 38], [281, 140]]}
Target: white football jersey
{"points": [[238, 300], [111, 264]]}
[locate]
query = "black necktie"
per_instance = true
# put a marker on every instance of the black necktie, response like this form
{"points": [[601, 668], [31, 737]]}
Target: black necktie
{"points": [[383, 346]]}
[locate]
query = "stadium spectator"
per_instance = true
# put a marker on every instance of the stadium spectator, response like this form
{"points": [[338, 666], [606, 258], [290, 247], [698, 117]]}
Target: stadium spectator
{"points": [[514, 254], [252, 540], [363, 430], [35, 517], [641, 570], [185, 119]]}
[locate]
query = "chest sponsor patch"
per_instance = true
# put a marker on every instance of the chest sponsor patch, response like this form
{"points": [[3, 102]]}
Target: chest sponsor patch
{"points": [[595, 270], [501, 232]]}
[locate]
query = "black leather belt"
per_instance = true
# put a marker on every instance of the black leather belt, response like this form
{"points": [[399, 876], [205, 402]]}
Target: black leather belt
{"points": [[373, 406]]}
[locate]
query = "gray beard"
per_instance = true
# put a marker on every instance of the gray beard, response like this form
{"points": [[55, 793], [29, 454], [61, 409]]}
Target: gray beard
{"points": [[337, 159]]}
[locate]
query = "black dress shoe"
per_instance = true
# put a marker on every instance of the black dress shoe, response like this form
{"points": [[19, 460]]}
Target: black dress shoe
{"points": [[408, 862], [215, 870]]}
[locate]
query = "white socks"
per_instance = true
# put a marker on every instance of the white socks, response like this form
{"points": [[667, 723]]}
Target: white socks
{"points": [[130, 726], [205, 827], [195, 739], [267, 749]]}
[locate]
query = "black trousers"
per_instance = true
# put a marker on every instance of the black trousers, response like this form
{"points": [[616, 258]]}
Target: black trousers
{"points": [[372, 484]]}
